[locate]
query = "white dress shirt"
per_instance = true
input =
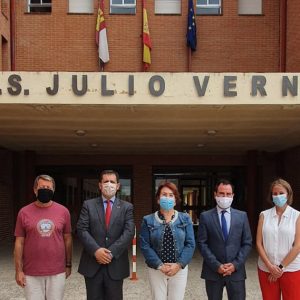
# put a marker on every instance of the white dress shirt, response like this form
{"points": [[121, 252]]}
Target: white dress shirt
{"points": [[278, 239], [227, 216], [112, 200]]}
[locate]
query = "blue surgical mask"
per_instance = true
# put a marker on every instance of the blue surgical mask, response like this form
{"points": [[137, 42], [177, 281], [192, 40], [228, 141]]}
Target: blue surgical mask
{"points": [[166, 203], [279, 200]]}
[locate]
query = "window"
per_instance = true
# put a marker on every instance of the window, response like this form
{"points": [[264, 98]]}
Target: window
{"points": [[39, 5], [168, 7], [125, 7], [253, 7], [79, 6], [208, 7]]}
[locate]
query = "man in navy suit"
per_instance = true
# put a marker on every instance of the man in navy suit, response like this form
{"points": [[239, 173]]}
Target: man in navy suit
{"points": [[106, 229], [224, 241]]}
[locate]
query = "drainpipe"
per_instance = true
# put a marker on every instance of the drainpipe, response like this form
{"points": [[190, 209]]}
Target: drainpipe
{"points": [[282, 37], [12, 36]]}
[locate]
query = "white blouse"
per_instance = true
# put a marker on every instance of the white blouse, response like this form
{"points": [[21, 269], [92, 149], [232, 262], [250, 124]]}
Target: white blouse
{"points": [[278, 239]]}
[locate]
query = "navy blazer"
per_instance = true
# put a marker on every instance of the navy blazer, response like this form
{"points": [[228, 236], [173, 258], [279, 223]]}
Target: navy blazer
{"points": [[216, 251], [92, 233]]}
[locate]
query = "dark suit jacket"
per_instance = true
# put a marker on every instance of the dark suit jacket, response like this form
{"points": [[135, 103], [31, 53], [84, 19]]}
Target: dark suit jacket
{"points": [[216, 251], [92, 233]]}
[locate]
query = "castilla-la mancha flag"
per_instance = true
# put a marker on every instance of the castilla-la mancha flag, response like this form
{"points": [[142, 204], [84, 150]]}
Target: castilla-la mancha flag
{"points": [[101, 36], [146, 39]]}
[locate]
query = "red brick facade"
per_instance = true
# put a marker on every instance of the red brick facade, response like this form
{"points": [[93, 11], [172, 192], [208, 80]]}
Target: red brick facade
{"points": [[293, 36], [59, 41], [5, 35], [6, 195], [228, 43]]}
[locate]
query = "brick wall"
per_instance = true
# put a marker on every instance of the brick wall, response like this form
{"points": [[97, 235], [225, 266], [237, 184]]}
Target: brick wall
{"points": [[4, 36], [142, 176], [282, 165], [4, 7], [293, 36], [269, 172], [66, 42], [6, 196], [4, 53], [291, 169]]}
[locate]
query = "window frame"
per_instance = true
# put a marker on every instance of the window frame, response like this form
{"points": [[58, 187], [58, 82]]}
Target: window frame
{"points": [[205, 6], [261, 13], [121, 5], [91, 11], [37, 5], [171, 12]]}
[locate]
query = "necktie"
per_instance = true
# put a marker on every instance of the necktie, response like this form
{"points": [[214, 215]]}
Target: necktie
{"points": [[224, 225], [107, 213]]}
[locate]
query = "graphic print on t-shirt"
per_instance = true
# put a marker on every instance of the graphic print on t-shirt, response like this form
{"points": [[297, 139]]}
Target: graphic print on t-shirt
{"points": [[45, 227]]}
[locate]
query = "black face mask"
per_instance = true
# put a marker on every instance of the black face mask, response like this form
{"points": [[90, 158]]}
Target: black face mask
{"points": [[45, 195]]}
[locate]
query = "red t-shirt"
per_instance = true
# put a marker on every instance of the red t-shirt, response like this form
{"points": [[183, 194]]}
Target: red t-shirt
{"points": [[43, 229]]}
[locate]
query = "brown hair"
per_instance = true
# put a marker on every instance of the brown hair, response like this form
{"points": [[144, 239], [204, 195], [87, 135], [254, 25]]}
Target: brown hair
{"points": [[285, 185], [109, 172], [170, 186], [224, 182]]}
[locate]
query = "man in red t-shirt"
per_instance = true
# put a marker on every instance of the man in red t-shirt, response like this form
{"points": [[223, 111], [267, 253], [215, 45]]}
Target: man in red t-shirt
{"points": [[43, 246]]}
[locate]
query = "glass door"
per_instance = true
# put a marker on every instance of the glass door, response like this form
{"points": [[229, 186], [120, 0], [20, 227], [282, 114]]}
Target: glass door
{"points": [[190, 201], [196, 186]]}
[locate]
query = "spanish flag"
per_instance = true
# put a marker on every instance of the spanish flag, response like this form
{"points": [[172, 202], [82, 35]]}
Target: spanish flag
{"points": [[101, 36], [146, 39]]}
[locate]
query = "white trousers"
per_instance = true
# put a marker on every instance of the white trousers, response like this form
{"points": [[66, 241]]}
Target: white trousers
{"points": [[45, 287], [164, 287]]}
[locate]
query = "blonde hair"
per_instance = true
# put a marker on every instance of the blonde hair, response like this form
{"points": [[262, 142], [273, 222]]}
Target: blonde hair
{"points": [[286, 186], [44, 177]]}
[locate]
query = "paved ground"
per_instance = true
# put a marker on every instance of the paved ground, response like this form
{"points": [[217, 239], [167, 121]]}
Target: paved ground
{"points": [[133, 290]]}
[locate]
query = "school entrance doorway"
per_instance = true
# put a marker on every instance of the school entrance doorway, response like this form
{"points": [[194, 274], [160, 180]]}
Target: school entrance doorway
{"points": [[196, 186]]}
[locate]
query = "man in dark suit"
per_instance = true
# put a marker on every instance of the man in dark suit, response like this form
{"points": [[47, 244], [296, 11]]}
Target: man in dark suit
{"points": [[106, 229], [224, 240]]}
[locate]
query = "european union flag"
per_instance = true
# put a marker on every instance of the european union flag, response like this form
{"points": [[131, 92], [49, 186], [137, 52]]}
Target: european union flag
{"points": [[191, 34]]}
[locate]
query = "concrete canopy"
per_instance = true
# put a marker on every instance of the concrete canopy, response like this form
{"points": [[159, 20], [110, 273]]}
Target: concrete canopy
{"points": [[149, 113], [148, 129]]}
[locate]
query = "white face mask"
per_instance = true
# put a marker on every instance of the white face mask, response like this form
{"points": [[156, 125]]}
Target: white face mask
{"points": [[109, 189], [224, 202]]}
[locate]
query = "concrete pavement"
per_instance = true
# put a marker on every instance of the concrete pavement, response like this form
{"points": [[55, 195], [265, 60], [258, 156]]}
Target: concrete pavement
{"points": [[133, 290]]}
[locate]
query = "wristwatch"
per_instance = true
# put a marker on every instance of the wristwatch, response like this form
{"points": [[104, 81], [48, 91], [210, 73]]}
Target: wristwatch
{"points": [[280, 266]]}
